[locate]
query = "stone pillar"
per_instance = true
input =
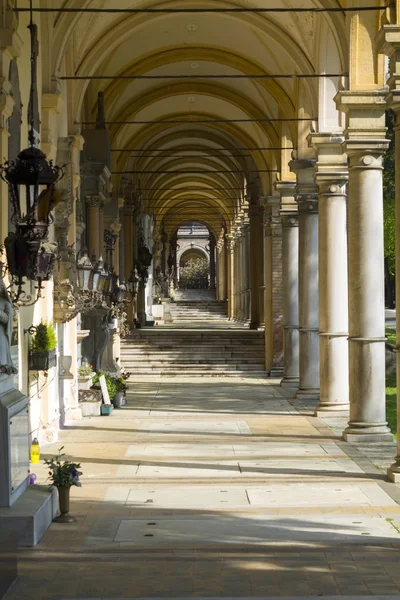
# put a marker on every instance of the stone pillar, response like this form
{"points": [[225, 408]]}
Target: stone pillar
{"points": [[247, 273], [365, 112], [101, 230], [231, 276], [290, 280], [307, 200], [93, 227], [331, 176], [128, 235], [268, 295], [256, 250], [389, 42], [212, 261]]}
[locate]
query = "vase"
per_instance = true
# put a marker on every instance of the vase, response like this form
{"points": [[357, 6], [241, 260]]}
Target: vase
{"points": [[118, 399], [63, 504]]}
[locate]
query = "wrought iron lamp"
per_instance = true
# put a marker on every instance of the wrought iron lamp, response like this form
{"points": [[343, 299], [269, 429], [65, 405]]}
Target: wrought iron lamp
{"points": [[31, 181], [85, 269]]}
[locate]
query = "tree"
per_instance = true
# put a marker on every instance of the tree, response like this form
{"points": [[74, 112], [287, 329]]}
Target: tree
{"points": [[194, 274]]}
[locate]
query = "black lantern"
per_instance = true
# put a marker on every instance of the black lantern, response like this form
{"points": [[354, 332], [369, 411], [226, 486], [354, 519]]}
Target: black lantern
{"points": [[102, 276], [85, 270], [132, 283], [31, 181], [95, 278]]}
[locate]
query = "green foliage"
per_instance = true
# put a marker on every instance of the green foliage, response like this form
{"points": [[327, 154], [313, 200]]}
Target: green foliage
{"points": [[44, 338], [389, 186], [85, 371], [391, 335], [114, 384], [391, 402], [194, 272], [63, 473]]}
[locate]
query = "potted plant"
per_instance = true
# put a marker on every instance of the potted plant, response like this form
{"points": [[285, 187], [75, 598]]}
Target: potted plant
{"points": [[63, 474], [119, 397], [85, 376], [42, 349]]}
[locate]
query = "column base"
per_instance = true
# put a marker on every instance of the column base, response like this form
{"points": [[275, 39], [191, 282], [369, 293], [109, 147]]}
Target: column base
{"points": [[393, 472], [308, 394], [371, 433], [254, 325], [276, 372], [332, 410], [291, 383]]}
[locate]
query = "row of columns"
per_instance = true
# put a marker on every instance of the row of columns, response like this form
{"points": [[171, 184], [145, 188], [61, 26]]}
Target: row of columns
{"points": [[333, 310]]}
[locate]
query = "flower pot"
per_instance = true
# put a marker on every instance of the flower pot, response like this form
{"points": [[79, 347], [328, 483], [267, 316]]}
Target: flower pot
{"points": [[118, 399], [63, 504], [42, 361]]}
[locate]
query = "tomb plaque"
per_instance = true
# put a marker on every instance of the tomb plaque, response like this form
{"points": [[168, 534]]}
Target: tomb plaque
{"points": [[104, 390], [19, 448]]}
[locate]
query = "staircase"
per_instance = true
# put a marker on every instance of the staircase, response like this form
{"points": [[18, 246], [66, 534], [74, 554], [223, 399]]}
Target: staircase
{"points": [[194, 353], [189, 311]]}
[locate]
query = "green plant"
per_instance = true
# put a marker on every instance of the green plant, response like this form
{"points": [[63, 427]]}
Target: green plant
{"points": [[63, 473], [44, 338], [113, 384], [85, 371]]}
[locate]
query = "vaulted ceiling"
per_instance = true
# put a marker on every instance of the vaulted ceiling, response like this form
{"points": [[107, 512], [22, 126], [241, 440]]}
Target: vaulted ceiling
{"points": [[167, 156]]}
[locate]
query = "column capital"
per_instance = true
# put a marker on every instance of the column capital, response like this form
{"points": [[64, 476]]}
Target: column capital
{"points": [[331, 168], [287, 192], [94, 201], [290, 220], [301, 164], [366, 120]]}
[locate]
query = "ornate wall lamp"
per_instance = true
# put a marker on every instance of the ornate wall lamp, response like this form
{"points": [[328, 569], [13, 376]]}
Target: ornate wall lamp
{"points": [[31, 181], [132, 286]]}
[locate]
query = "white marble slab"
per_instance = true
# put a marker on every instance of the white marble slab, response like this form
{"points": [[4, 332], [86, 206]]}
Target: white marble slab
{"points": [[255, 530], [183, 497], [192, 470], [180, 450], [202, 427], [319, 495], [296, 467]]}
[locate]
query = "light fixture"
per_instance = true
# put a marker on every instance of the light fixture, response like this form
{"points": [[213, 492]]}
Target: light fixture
{"points": [[102, 275], [85, 270], [31, 181]]}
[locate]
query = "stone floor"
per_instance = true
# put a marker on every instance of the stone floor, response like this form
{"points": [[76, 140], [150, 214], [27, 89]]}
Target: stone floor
{"points": [[217, 488]]}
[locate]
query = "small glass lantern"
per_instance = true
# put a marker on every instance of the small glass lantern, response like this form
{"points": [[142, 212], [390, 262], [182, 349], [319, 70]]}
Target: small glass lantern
{"points": [[85, 269], [102, 276], [132, 284], [120, 293]]}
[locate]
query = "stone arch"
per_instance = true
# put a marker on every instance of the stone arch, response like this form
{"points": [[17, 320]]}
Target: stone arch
{"points": [[192, 249]]}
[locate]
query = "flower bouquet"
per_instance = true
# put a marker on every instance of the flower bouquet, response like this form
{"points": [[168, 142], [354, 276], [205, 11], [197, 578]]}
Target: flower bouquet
{"points": [[63, 474]]}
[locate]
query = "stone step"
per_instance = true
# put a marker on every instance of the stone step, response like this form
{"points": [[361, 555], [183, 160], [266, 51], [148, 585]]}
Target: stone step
{"points": [[179, 360], [184, 368]]}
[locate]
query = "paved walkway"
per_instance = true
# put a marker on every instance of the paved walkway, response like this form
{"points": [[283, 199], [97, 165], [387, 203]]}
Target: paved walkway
{"points": [[217, 488]]}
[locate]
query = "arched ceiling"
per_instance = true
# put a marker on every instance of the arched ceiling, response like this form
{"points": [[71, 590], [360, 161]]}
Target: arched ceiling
{"points": [[215, 161]]}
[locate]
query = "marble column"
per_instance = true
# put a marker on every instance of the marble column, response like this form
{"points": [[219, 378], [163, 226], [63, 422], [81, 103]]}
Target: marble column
{"points": [[128, 235], [307, 200], [256, 250], [290, 278], [365, 112], [231, 276], [389, 43], [331, 176], [212, 262], [268, 294]]}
